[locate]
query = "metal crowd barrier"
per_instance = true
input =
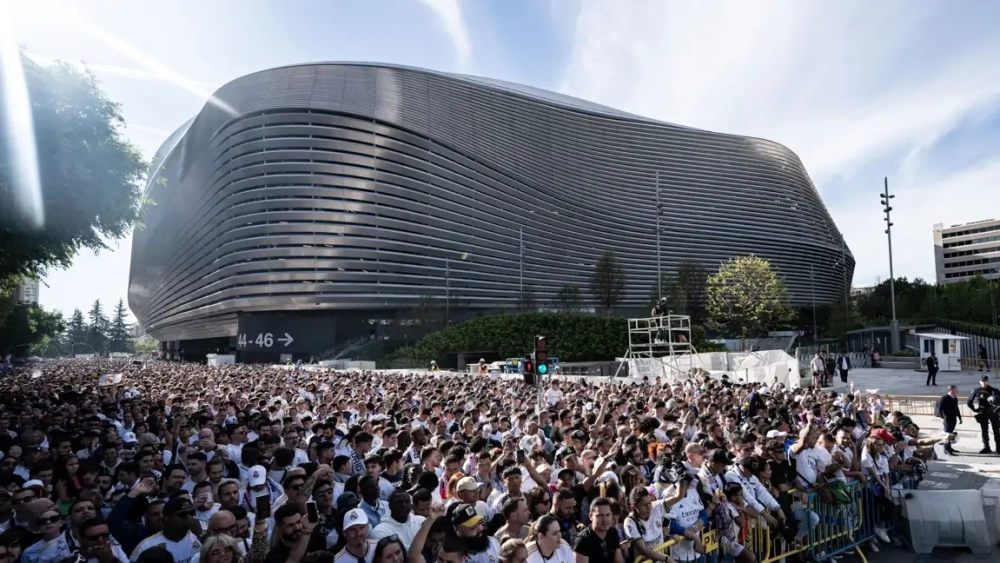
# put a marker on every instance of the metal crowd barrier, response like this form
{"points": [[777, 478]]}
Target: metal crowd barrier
{"points": [[921, 404], [823, 530]]}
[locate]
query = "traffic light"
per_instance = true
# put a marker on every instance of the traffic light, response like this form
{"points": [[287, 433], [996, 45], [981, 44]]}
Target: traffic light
{"points": [[529, 371], [541, 356]]}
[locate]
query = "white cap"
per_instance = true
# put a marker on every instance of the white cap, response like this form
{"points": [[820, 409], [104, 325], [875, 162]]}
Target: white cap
{"points": [[355, 517], [130, 438], [776, 434], [765, 390], [258, 476], [467, 484], [34, 483]]}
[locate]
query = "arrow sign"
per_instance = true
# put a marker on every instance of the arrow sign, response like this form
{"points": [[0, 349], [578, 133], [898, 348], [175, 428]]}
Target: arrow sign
{"points": [[287, 339]]}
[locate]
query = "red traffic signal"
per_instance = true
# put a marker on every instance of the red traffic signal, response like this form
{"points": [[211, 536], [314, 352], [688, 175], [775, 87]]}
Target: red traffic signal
{"points": [[529, 366]]}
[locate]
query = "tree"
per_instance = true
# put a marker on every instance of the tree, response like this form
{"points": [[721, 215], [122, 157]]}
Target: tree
{"points": [[607, 284], [526, 301], [90, 175], [25, 326], [76, 330], [746, 297], [146, 346], [97, 331], [568, 299], [120, 340], [684, 290]]}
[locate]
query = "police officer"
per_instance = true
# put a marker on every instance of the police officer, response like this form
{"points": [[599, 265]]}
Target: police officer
{"points": [[985, 402]]}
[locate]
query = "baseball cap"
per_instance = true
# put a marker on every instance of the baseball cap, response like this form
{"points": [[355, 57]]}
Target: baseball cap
{"points": [[130, 438], [258, 476], [776, 434], [984, 378], [465, 515], [355, 517], [467, 484], [347, 500], [34, 483]]}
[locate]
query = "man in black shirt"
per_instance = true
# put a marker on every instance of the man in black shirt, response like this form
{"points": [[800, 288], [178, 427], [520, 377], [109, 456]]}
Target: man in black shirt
{"points": [[932, 369], [292, 527], [599, 543], [985, 401], [951, 414]]}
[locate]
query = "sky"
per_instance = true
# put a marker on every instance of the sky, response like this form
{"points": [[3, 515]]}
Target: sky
{"points": [[859, 90]]}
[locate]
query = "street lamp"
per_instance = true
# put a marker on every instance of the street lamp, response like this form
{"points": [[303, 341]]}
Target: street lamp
{"points": [[659, 212], [894, 324]]}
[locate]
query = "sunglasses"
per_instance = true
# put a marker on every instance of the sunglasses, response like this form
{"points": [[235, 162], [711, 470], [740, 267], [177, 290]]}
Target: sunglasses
{"points": [[294, 487], [387, 540], [323, 493], [104, 536], [49, 520], [183, 514]]}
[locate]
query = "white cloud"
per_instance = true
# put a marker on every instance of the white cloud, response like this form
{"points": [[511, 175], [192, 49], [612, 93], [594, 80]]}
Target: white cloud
{"points": [[449, 15], [846, 85]]}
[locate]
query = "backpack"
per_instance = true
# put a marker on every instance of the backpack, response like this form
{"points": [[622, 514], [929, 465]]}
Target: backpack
{"points": [[937, 409]]}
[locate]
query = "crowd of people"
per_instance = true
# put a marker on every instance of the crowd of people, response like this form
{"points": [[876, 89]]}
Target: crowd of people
{"points": [[184, 462]]}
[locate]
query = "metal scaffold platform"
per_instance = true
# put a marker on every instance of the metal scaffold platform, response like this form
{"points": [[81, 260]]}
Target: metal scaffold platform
{"points": [[655, 345]]}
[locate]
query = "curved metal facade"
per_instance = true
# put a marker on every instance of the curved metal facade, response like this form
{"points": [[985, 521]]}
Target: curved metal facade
{"points": [[355, 187]]}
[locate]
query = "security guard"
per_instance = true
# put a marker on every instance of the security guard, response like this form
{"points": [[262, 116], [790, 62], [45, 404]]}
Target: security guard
{"points": [[985, 402]]}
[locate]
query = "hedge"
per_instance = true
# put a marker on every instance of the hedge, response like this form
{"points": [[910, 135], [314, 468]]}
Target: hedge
{"points": [[571, 338]]}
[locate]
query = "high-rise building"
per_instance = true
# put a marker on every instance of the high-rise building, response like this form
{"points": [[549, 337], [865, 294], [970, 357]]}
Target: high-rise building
{"points": [[307, 206], [27, 291], [965, 251]]}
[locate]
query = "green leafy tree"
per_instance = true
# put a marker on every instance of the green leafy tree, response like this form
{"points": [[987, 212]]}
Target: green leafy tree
{"points": [[607, 283], [684, 290], [25, 326], [120, 340], [76, 330], [98, 328], [568, 299], [90, 175], [746, 297], [146, 346], [526, 301]]}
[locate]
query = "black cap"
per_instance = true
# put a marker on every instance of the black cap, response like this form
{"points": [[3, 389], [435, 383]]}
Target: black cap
{"points": [[984, 378]]}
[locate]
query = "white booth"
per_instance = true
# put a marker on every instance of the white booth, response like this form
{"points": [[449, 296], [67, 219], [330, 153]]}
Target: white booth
{"points": [[946, 347], [218, 360]]}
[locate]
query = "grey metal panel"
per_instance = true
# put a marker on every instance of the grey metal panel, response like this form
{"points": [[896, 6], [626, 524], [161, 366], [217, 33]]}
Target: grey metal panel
{"points": [[339, 186]]}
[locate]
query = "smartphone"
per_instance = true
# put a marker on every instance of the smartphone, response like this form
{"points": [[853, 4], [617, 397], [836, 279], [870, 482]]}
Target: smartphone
{"points": [[263, 510], [521, 456], [312, 512]]}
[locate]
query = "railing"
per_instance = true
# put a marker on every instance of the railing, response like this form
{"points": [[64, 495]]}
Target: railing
{"points": [[921, 405], [823, 530]]}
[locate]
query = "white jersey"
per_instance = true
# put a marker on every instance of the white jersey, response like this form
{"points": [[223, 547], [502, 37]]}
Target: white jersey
{"points": [[649, 530], [345, 557], [563, 554], [686, 513], [182, 550], [489, 555]]}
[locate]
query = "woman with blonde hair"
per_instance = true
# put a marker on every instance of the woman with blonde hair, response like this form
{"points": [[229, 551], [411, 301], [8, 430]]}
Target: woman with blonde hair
{"points": [[513, 551], [219, 549]]}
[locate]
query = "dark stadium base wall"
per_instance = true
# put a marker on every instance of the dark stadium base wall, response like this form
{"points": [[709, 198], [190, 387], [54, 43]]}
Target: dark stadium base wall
{"points": [[270, 336]]}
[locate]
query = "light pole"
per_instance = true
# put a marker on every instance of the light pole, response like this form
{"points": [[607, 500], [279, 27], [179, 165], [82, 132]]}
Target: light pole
{"points": [[520, 265], [812, 282], [447, 291], [894, 324], [659, 211]]}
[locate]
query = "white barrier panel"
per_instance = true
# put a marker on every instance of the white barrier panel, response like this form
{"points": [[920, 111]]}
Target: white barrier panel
{"points": [[768, 367], [946, 519]]}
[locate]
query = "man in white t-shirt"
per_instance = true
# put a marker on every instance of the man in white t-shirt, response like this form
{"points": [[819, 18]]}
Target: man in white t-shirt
{"points": [[176, 536]]}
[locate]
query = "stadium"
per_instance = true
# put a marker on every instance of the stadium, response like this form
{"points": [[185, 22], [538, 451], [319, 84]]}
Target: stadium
{"points": [[315, 203]]}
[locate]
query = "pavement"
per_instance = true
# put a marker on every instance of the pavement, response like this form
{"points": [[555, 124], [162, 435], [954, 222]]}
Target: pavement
{"points": [[967, 471]]}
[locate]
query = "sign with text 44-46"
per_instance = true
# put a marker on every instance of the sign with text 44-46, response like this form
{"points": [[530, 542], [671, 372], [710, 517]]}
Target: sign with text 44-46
{"points": [[264, 340], [285, 334]]}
